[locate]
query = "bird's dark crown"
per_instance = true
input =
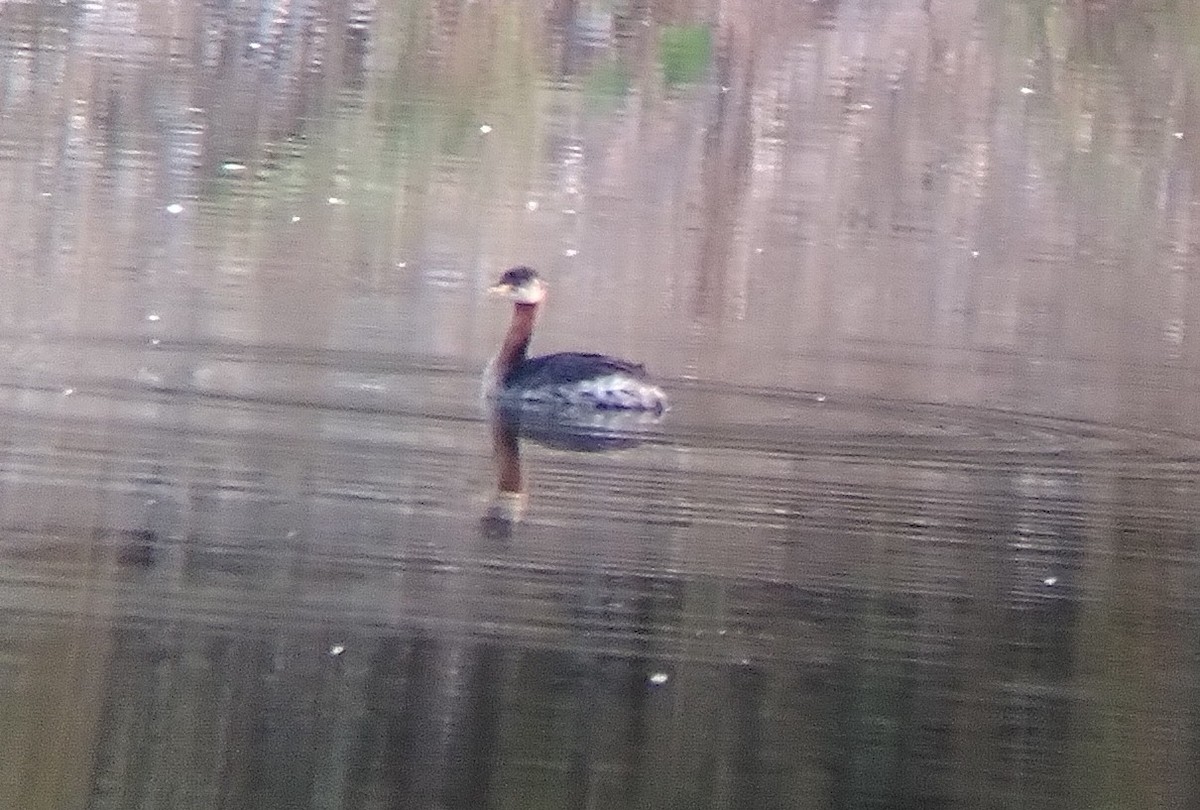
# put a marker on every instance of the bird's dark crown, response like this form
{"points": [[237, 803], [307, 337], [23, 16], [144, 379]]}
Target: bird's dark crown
{"points": [[517, 276]]}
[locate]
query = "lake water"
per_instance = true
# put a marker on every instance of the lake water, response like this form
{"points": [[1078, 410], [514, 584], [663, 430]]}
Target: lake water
{"points": [[919, 530]]}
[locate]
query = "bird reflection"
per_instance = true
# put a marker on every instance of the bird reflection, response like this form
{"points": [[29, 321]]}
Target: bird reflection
{"points": [[508, 504], [580, 431]]}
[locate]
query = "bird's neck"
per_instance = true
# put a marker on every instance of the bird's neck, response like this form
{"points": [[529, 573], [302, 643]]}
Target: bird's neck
{"points": [[516, 340]]}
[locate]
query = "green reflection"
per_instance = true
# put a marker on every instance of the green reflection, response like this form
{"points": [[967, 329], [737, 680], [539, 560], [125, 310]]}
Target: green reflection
{"points": [[684, 51], [608, 83]]}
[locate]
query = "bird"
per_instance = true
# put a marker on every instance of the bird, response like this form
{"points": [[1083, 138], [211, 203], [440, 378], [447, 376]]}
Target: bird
{"points": [[566, 379]]}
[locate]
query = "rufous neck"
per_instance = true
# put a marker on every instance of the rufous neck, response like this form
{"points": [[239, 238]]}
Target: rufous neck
{"points": [[516, 340]]}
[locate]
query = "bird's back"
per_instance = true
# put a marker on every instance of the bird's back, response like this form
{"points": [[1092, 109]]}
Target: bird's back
{"points": [[579, 378], [565, 368]]}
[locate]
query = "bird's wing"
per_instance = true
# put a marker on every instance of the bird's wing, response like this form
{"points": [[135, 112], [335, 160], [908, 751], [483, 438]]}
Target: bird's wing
{"points": [[565, 368]]}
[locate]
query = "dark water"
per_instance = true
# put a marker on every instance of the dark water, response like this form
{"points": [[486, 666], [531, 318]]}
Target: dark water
{"points": [[920, 529]]}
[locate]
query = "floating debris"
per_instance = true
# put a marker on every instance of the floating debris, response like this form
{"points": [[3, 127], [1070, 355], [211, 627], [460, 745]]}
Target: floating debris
{"points": [[1050, 581], [1027, 91], [153, 317], [570, 252], [337, 649], [174, 208], [485, 129], [659, 678], [532, 205], [336, 201], [295, 219]]}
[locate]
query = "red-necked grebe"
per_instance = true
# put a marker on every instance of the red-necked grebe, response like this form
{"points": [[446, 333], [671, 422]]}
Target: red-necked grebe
{"points": [[570, 379]]}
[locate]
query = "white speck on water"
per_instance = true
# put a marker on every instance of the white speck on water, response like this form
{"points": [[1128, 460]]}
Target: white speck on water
{"points": [[254, 46], [744, 662], [231, 166], [337, 649], [295, 219], [1027, 91], [532, 205], [1179, 135], [47, 193], [151, 501], [569, 211], [659, 678], [1174, 331], [402, 265], [153, 317], [722, 631], [570, 252], [974, 254], [1050, 581], [758, 250], [68, 391], [292, 533], [336, 201], [174, 208], [155, 341], [864, 107], [820, 397], [484, 129]]}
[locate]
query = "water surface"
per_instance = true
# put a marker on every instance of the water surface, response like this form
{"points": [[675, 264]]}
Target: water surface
{"points": [[918, 531]]}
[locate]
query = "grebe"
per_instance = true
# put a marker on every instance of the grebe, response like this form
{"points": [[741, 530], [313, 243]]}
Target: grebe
{"points": [[568, 379]]}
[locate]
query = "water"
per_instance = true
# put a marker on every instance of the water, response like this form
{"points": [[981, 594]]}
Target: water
{"points": [[919, 530]]}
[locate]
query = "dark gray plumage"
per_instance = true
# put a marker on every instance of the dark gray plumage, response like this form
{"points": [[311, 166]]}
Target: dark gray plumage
{"points": [[565, 368]]}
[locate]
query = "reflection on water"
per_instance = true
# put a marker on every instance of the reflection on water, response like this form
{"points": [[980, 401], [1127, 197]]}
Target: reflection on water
{"points": [[919, 530]]}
